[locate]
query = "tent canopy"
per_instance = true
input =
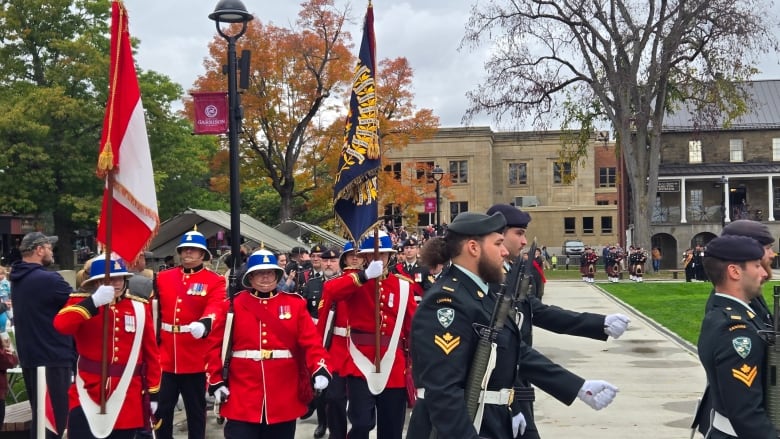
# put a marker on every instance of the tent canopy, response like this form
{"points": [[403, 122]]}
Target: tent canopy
{"points": [[299, 229], [209, 223]]}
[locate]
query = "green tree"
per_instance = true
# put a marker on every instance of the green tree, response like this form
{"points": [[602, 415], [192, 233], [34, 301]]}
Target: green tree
{"points": [[628, 61]]}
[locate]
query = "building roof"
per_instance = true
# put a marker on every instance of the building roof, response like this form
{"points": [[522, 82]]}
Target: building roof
{"points": [[763, 112], [713, 169], [296, 229]]}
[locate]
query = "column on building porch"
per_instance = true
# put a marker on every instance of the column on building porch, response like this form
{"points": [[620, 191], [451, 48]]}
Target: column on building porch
{"points": [[683, 207], [771, 201], [726, 201]]}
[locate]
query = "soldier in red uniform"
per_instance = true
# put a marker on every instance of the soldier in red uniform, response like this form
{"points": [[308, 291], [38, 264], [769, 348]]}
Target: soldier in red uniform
{"points": [[376, 398], [332, 327], [133, 366], [191, 301], [275, 357]]}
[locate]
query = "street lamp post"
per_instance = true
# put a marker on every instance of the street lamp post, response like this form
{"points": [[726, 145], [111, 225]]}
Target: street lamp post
{"points": [[438, 173], [723, 188], [229, 12]]}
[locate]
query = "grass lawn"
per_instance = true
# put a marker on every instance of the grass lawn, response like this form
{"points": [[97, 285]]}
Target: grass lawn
{"points": [[679, 306]]}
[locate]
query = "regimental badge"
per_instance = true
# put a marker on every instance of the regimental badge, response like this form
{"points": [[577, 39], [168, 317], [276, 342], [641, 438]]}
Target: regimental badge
{"points": [[445, 316], [446, 342], [745, 374], [742, 345]]}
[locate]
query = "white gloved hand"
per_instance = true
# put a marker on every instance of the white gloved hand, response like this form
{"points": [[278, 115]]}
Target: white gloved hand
{"points": [[221, 394], [375, 269], [597, 394], [197, 329], [615, 325], [320, 382], [153, 406], [103, 295], [518, 424]]}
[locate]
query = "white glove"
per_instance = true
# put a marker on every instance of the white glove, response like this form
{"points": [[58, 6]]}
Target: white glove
{"points": [[597, 394], [518, 424], [615, 325], [103, 295], [197, 329], [320, 382], [374, 269], [153, 406], [221, 394]]}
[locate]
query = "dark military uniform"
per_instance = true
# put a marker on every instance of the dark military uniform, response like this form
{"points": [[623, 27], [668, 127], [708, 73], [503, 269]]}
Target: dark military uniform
{"points": [[554, 319], [443, 347], [734, 356], [312, 292]]}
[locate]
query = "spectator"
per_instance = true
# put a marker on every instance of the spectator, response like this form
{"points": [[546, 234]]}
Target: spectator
{"points": [[5, 300], [140, 283], [656, 256], [554, 261], [8, 360], [37, 295], [168, 263]]}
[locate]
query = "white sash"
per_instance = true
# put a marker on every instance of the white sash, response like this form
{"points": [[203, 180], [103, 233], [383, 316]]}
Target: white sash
{"points": [[378, 380], [101, 425]]}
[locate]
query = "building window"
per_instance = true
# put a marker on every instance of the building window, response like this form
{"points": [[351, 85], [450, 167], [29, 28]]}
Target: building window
{"points": [[457, 207], [607, 177], [602, 202], [395, 168], [694, 151], [606, 225], [518, 174], [425, 219], [735, 150], [459, 171], [393, 213], [424, 169], [776, 149], [561, 172], [569, 225], [777, 197], [587, 224]]}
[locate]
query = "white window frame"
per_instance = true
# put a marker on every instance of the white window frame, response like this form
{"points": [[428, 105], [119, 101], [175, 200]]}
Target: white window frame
{"points": [[776, 149], [694, 151], [736, 151]]}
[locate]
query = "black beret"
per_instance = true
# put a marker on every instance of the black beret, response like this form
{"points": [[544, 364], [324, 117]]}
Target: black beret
{"points": [[317, 248], [734, 248], [298, 251], [411, 242], [330, 254], [754, 229], [514, 216], [477, 224]]}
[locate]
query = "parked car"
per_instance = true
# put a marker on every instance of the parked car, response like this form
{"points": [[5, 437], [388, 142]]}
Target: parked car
{"points": [[573, 247]]}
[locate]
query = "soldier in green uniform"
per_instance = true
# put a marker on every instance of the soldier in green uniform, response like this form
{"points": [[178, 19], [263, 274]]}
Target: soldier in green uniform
{"points": [[731, 349], [444, 343]]}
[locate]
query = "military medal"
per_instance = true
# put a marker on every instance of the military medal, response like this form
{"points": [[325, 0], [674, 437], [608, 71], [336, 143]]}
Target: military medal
{"points": [[285, 312], [129, 323]]}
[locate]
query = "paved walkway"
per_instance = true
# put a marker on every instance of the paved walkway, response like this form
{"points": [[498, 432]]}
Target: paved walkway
{"points": [[658, 375]]}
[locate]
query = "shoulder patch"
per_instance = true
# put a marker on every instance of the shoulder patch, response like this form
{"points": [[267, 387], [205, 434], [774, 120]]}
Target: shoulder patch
{"points": [[738, 326], [446, 316], [444, 300], [446, 342], [742, 345]]}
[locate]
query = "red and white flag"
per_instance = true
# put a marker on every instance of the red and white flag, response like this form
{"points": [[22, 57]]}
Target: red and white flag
{"points": [[124, 151]]}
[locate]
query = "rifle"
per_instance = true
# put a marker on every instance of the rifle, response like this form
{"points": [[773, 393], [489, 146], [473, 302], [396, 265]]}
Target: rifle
{"points": [[329, 326], [156, 309], [514, 288]]}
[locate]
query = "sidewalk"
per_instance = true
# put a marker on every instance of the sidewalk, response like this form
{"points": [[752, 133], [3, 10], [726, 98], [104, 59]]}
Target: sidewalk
{"points": [[659, 377]]}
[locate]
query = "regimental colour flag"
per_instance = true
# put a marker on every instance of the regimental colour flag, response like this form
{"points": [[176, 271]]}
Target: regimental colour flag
{"points": [[355, 191], [124, 153]]}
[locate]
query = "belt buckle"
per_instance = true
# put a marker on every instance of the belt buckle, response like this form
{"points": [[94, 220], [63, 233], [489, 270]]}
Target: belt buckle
{"points": [[511, 396], [175, 328], [266, 354]]}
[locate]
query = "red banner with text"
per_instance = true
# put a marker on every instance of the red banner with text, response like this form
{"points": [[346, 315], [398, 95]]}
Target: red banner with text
{"points": [[211, 112]]}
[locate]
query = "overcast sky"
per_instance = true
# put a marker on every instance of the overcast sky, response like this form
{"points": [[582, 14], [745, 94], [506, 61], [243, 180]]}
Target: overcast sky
{"points": [[174, 36]]}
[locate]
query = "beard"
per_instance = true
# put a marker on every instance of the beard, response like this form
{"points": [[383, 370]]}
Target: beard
{"points": [[490, 273]]}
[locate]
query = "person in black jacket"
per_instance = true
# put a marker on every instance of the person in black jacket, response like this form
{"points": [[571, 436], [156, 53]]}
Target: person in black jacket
{"points": [[531, 312], [38, 295], [443, 343]]}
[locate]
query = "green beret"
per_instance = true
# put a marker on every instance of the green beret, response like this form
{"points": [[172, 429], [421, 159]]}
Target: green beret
{"points": [[477, 224], [734, 248]]}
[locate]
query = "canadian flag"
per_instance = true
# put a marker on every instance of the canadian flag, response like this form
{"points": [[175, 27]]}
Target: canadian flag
{"points": [[128, 219]]}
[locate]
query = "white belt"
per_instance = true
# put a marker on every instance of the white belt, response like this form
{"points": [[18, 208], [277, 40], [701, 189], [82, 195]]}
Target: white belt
{"points": [[338, 330], [174, 328], [263, 354], [493, 397], [722, 424]]}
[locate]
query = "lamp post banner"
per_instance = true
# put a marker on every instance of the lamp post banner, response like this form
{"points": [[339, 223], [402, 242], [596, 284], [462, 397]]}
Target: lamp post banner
{"points": [[430, 205], [211, 112]]}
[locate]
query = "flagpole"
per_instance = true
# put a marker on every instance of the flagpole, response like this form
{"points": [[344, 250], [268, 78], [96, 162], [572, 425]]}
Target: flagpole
{"points": [[106, 281], [377, 312]]}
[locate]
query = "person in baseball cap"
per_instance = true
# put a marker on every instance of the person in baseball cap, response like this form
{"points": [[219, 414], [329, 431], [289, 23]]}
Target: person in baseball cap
{"points": [[33, 240]]}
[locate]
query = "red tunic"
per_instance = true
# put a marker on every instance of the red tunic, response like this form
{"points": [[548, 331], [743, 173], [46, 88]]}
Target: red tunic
{"points": [[80, 319], [183, 299], [360, 305], [267, 390], [340, 360]]}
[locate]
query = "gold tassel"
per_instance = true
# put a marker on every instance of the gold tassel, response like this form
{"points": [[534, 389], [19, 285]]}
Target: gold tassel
{"points": [[106, 159]]}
